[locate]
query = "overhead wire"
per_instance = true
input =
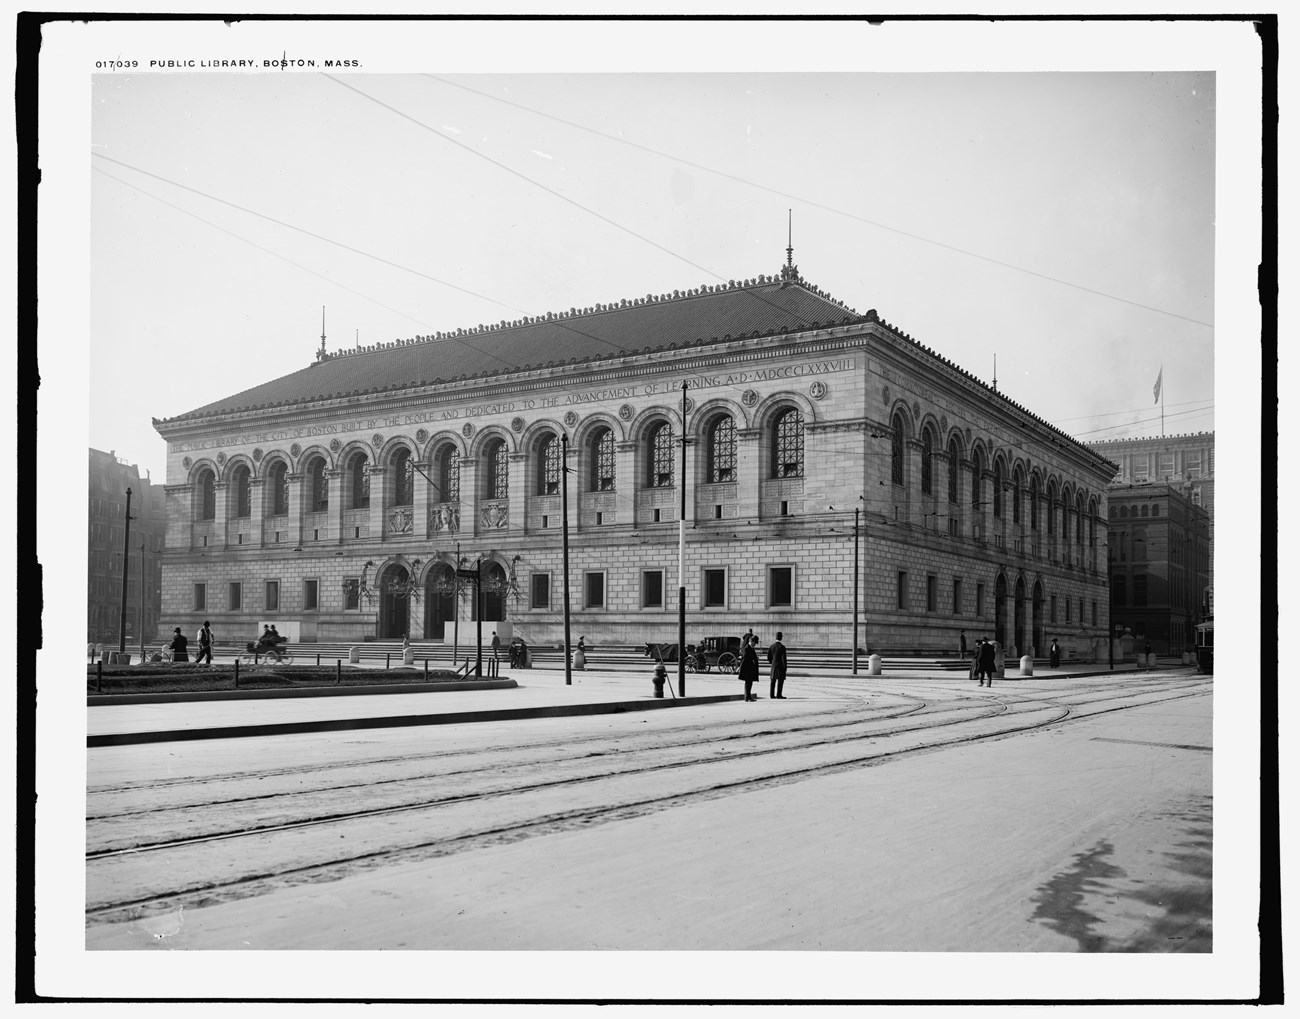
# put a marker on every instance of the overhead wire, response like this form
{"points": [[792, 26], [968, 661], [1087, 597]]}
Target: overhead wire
{"points": [[819, 205]]}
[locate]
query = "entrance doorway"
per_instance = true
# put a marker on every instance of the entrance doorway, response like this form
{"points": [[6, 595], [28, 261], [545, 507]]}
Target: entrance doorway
{"points": [[394, 603], [1021, 647], [1040, 641], [439, 602]]}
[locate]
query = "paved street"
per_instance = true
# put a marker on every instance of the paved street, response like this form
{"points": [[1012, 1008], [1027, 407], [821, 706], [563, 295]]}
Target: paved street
{"points": [[901, 814]]}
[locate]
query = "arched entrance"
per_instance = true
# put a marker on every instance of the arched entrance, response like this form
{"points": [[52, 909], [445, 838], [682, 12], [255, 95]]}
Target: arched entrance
{"points": [[1000, 610], [493, 596], [394, 602], [1039, 642], [1021, 646], [439, 601]]}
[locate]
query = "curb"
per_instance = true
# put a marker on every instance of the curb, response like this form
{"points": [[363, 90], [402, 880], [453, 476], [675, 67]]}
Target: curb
{"points": [[181, 696], [392, 721]]}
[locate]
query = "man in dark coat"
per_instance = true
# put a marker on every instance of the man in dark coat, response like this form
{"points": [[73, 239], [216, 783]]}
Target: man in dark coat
{"points": [[178, 646], [776, 655], [749, 668], [988, 662], [963, 645]]}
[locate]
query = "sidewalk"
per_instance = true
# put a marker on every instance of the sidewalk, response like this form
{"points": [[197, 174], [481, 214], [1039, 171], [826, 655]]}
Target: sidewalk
{"points": [[518, 694]]}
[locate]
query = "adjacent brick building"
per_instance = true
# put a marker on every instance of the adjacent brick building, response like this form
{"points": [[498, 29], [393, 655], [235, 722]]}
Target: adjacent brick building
{"points": [[110, 477], [336, 499]]}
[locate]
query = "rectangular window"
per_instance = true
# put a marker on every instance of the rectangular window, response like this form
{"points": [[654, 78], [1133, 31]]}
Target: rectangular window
{"points": [[272, 596], [931, 593], [715, 589], [1094, 613], [1140, 589], [780, 586], [1067, 610], [352, 593], [200, 597], [1053, 615], [1081, 610], [1141, 467], [540, 591], [593, 590], [1165, 467], [956, 596], [652, 589], [902, 590], [236, 597], [979, 599], [310, 595]]}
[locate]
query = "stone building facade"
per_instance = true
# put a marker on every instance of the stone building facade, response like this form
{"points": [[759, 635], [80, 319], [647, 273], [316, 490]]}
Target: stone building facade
{"points": [[1160, 566], [339, 499], [109, 478]]}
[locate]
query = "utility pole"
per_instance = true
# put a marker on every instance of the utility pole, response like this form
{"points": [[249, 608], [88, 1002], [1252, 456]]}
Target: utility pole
{"points": [[140, 621], [564, 541], [126, 569], [681, 565]]}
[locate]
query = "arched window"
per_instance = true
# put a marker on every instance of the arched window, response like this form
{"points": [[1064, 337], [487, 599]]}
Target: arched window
{"points": [[207, 485], [318, 485], [1146, 510], [243, 492], [1051, 507], [1155, 509], [548, 465], [449, 475], [977, 479], [602, 461], [359, 480], [1078, 519], [896, 451], [997, 487], [661, 456], [277, 479], [1016, 485], [1123, 511], [787, 444], [403, 468], [1033, 503], [927, 463], [954, 461], [722, 450], [1065, 515], [1114, 512], [497, 476]]}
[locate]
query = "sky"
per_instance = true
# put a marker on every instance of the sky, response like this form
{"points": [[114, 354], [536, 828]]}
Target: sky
{"points": [[1057, 228]]}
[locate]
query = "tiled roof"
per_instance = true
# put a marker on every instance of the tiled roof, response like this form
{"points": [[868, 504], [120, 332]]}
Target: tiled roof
{"points": [[692, 318]]}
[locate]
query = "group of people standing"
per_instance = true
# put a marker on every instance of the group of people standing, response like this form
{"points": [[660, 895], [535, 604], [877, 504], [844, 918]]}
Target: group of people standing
{"points": [[984, 661], [748, 672]]}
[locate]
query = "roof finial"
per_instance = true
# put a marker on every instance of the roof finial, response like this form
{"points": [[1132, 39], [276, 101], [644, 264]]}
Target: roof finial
{"points": [[320, 354], [789, 271]]}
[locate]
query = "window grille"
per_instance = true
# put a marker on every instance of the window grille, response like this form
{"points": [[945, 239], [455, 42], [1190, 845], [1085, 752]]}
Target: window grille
{"points": [[449, 475], [548, 466], [498, 472], [896, 451], [927, 464], [787, 445], [243, 493], [360, 481], [602, 462], [722, 450], [661, 457]]}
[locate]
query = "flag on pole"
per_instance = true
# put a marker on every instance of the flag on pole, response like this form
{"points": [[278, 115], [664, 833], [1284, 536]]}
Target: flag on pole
{"points": [[1159, 381]]}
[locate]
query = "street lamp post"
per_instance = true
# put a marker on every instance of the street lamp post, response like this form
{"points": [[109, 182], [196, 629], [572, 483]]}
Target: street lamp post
{"points": [[856, 510], [126, 569], [681, 565], [564, 539]]}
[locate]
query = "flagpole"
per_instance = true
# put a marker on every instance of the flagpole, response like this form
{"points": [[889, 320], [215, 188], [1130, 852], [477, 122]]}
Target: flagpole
{"points": [[1162, 401]]}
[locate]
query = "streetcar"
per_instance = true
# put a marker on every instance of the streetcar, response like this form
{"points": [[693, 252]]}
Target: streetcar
{"points": [[1205, 646]]}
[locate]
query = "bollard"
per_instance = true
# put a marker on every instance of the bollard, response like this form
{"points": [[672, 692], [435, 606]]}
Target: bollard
{"points": [[408, 656], [580, 658], [659, 678], [99, 676], [388, 660], [426, 670], [1026, 666], [236, 673], [338, 671], [354, 656], [873, 665], [318, 660]]}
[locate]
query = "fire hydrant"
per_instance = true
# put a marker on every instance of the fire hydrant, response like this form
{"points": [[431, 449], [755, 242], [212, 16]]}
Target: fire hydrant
{"points": [[660, 677]]}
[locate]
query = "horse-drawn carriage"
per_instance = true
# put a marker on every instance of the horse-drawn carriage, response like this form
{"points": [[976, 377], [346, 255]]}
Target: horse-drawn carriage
{"points": [[722, 653]]}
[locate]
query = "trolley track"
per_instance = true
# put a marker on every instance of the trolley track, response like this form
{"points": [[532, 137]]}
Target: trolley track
{"points": [[124, 880]]}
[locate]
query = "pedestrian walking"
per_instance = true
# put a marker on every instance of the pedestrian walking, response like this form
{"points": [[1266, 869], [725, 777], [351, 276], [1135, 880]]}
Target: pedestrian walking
{"points": [[975, 660], [1054, 655], [988, 662], [496, 647], [962, 638], [178, 646], [205, 643], [776, 677], [749, 667]]}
